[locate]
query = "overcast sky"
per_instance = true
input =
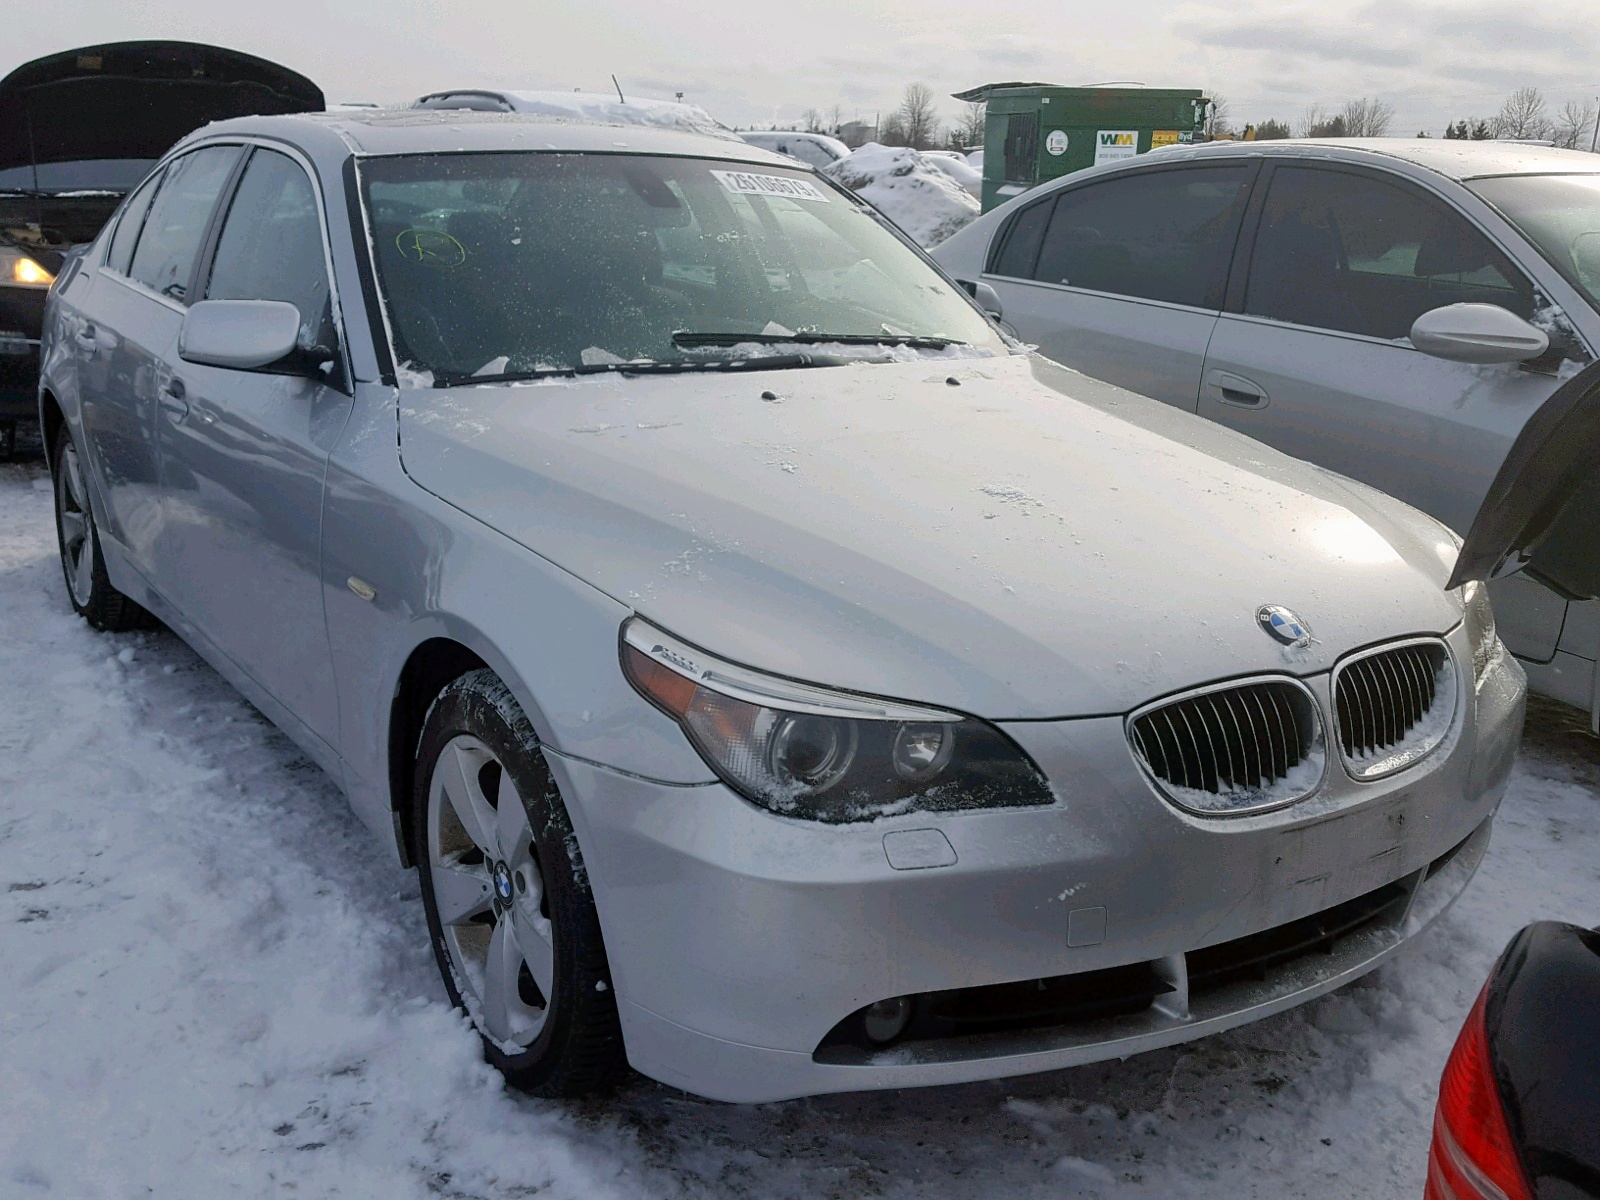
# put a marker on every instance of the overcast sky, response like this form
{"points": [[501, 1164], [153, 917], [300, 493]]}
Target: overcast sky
{"points": [[749, 61]]}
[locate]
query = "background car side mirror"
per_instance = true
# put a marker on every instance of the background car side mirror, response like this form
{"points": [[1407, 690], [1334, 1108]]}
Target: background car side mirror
{"points": [[988, 299], [241, 334], [1477, 333]]}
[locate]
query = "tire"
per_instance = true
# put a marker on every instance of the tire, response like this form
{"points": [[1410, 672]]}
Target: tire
{"points": [[82, 564], [509, 907]]}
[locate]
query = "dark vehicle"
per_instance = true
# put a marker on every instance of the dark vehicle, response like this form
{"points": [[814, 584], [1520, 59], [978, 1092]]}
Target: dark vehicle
{"points": [[78, 129], [1519, 1104]]}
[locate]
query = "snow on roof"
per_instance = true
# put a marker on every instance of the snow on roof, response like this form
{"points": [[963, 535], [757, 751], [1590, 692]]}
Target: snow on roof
{"points": [[600, 106], [915, 191]]}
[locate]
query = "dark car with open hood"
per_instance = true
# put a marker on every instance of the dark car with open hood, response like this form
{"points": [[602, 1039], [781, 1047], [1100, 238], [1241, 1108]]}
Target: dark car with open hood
{"points": [[80, 128]]}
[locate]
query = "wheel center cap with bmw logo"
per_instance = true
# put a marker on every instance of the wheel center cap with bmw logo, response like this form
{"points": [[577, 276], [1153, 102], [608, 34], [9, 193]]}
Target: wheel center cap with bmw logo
{"points": [[502, 882], [1283, 625]]}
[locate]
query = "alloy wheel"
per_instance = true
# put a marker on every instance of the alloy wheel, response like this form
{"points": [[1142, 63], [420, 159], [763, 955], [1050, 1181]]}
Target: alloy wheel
{"points": [[77, 532], [489, 890]]}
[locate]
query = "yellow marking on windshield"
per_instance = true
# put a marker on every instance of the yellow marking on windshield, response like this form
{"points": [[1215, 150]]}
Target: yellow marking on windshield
{"points": [[431, 246]]}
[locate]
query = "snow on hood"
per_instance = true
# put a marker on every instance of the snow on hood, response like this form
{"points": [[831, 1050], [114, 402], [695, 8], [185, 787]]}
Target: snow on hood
{"points": [[599, 106], [918, 192], [1024, 543]]}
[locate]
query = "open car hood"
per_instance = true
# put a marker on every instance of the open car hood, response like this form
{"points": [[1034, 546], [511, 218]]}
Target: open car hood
{"points": [[1542, 513], [127, 103]]}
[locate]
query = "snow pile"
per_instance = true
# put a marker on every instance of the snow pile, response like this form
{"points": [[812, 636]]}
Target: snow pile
{"points": [[953, 165], [599, 106], [913, 190]]}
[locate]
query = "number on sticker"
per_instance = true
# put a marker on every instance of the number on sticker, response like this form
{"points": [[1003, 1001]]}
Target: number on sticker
{"points": [[745, 184]]}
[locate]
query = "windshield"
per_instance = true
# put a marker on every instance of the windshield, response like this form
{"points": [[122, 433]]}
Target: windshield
{"points": [[1560, 214], [495, 264]]}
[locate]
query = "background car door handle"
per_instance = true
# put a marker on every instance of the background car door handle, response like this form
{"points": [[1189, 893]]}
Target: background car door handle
{"points": [[85, 337], [1236, 390], [174, 399]]}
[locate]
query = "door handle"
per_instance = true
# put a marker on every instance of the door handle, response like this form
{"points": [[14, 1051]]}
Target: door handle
{"points": [[174, 399], [1236, 390], [85, 337]]}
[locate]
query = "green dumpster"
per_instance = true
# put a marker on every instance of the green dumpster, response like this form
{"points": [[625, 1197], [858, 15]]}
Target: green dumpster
{"points": [[1035, 132]]}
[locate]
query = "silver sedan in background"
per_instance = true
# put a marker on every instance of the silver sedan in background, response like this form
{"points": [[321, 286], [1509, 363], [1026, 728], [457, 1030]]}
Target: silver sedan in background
{"points": [[1394, 309], [781, 681]]}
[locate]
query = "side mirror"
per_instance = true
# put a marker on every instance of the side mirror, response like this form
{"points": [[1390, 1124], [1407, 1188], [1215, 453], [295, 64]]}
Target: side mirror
{"points": [[1477, 333], [241, 334], [988, 299]]}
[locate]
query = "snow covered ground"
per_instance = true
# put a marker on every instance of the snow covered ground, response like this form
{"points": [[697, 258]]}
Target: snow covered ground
{"points": [[213, 985]]}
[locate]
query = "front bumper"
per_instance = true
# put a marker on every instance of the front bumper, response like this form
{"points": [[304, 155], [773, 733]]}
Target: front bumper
{"points": [[21, 319], [739, 941], [19, 378]]}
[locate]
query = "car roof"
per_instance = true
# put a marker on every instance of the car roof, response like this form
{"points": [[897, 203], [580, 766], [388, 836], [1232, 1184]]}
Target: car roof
{"points": [[386, 131], [1459, 160]]}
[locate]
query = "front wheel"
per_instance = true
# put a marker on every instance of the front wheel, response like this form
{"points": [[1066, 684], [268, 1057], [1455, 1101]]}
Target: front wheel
{"points": [[508, 902], [88, 586]]}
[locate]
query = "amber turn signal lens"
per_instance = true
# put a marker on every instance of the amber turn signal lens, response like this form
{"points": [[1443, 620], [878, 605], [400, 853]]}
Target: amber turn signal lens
{"points": [[662, 685]]}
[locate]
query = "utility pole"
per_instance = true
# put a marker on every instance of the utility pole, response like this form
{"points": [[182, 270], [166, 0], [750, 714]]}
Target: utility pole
{"points": [[1594, 142]]}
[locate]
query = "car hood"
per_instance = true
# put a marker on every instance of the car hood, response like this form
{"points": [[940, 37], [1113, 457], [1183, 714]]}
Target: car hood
{"points": [[126, 103], [1001, 536]]}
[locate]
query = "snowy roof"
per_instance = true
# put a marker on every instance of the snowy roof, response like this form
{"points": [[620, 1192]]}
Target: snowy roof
{"points": [[380, 131], [1457, 159]]}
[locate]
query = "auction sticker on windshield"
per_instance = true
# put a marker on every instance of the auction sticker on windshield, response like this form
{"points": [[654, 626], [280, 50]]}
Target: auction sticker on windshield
{"points": [[746, 184]]}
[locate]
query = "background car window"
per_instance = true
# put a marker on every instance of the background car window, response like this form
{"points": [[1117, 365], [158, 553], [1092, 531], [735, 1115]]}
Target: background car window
{"points": [[271, 246], [128, 226], [1353, 253], [1160, 235], [170, 240], [1020, 250]]}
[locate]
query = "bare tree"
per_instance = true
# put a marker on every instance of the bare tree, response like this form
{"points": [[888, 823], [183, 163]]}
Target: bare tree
{"points": [[969, 125], [1574, 125], [812, 119], [1523, 115], [892, 130], [1317, 123], [1217, 123], [919, 120], [1367, 117], [835, 119]]}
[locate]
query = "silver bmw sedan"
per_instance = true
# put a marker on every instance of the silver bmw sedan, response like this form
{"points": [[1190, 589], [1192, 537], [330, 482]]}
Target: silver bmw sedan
{"points": [[782, 682]]}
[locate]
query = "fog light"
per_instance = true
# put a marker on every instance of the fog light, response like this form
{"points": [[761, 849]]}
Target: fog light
{"points": [[886, 1020]]}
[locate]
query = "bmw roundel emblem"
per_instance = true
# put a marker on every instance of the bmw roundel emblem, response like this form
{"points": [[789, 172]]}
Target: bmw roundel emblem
{"points": [[1283, 625]]}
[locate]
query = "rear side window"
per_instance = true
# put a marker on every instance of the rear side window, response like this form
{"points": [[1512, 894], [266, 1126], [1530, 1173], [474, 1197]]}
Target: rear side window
{"points": [[1353, 253], [1159, 235], [170, 240], [129, 224], [271, 245], [1020, 250]]}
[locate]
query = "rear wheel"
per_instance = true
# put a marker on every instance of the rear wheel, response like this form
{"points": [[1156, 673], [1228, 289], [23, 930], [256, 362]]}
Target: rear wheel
{"points": [[88, 586], [508, 903]]}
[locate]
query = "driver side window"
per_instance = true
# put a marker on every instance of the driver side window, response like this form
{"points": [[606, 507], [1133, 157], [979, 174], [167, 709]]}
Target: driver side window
{"points": [[1356, 254]]}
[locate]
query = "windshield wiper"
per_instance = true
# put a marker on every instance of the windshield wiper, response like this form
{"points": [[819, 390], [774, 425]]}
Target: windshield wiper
{"points": [[687, 339], [667, 366]]}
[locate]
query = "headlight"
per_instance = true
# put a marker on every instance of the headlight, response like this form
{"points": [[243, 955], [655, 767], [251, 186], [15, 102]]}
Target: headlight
{"points": [[826, 756], [18, 270], [1479, 616]]}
